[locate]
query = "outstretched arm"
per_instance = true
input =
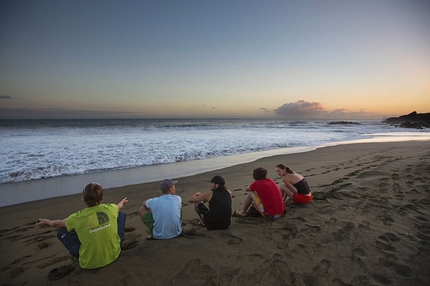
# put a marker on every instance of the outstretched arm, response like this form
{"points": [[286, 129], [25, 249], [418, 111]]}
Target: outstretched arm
{"points": [[54, 223], [200, 197], [122, 203]]}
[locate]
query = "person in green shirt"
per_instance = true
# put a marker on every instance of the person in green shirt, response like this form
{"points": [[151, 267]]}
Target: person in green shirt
{"points": [[92, 235]]}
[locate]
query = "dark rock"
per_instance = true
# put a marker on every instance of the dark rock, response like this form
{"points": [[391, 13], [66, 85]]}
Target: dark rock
{"points": [[411, 120], [344, 122]]}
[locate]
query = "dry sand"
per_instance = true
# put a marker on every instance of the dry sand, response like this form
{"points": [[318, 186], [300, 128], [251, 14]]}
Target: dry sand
{"points": [[367, 225]]}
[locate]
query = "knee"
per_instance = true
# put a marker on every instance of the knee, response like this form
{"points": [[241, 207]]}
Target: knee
{"points": [[143, 210], [61, 233], [122, 216]]}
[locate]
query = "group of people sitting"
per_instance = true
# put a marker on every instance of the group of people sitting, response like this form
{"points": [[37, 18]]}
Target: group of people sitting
{"points": [[94, 234]]}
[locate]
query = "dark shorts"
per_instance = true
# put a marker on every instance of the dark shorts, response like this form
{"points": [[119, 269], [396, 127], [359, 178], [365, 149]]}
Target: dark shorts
{"points": [[148, 220], [203, 211]]}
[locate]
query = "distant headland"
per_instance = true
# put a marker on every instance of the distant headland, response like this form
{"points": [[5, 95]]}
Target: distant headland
{"points": [[412, 120]]}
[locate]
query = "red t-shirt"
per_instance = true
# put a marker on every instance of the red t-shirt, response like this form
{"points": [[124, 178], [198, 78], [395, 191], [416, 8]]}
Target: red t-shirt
{"points": [[270, 196]]}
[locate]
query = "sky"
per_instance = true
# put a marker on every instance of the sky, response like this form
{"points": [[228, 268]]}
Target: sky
{"points": [[366, 59]]}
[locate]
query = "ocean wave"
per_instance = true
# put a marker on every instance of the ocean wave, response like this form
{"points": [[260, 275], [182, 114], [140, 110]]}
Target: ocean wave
{"points": [[32, 151]]}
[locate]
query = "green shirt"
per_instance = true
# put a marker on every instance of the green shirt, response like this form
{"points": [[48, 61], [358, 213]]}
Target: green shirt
{"points": [[97, 231]]}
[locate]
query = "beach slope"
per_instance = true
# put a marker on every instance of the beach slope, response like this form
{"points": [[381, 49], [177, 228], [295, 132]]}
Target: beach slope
{"points": [[368, 224]]}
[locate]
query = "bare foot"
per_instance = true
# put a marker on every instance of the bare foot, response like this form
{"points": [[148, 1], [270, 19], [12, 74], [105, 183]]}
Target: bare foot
{"points": [[239, 213]]}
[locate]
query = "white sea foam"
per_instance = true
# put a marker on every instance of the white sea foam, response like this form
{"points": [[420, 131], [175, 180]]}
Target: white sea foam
{"points": [[42, 149]]}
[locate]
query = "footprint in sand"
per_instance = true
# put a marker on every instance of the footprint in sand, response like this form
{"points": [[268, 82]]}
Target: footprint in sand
{"points": [[356, 254], [129, 229], [302, 252], [338, 282], [364, 225], [60, 272], [43, 245], [280, 239], [133, 214], [131, 240], [384, 244], [272, 272], [339, 235], [395, 176], [249, 258], [403, 270], [230, 239], [13, 264], [382, 279], [383, 185], [312, 228], [6, 230], [385, 262], [386, 220], [203, 275], [322, 269], [55, 261]]}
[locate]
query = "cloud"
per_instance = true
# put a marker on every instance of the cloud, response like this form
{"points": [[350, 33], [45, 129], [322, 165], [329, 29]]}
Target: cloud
{"points": [[301, 109], [265, 110], [314, 110], [5, 97], [58, 113]]}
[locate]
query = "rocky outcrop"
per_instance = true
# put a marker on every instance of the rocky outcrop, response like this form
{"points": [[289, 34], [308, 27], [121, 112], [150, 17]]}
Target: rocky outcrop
{"points": [[344, 123], [412, 120]]}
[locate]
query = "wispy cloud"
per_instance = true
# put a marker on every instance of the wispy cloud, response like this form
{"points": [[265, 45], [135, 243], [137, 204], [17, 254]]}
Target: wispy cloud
{"points": [[58, 113], [5, 97], [265, 110]]}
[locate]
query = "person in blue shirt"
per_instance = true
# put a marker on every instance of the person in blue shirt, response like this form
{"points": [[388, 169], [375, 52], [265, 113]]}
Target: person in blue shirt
{"points": [[162, 215]]}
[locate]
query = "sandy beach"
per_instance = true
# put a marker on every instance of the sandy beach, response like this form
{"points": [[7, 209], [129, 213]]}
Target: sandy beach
{"points": [[368, 224]]}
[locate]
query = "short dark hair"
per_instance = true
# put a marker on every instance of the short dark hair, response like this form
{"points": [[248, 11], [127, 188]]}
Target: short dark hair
{"points": [[92, 194], [259, 173]]}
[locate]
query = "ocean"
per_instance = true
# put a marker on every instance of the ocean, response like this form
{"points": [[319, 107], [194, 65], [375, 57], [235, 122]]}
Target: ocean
{"points": [[54, 152]]}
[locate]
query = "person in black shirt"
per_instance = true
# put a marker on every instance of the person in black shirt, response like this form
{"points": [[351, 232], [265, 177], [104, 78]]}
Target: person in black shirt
{"points": [[218, 215]]}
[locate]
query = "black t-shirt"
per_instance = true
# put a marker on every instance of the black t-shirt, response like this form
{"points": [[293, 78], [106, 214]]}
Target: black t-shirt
{"points": [[219, 216]]}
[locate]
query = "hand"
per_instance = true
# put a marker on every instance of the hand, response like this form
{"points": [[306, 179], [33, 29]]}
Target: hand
{"points": [[124, 200], [42, 222]]}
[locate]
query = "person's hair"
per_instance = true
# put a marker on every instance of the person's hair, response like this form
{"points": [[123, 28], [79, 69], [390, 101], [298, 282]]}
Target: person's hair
{"points": [[259, 173], [283, 167], [221, 188], [92, 194]]}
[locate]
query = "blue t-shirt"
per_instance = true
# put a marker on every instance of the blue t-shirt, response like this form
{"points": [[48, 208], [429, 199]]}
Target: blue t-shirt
{"points": [[166, 211]]}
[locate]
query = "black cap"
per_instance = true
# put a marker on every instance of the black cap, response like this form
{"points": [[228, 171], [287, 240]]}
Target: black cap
{"points": [[217, 180]]}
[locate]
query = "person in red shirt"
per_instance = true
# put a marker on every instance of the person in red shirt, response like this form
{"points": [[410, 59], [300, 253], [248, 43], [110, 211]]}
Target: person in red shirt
{"points": [[264, 195]]}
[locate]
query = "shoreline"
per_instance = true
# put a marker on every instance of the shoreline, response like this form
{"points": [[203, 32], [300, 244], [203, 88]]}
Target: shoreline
{"points": [[41, 189], [368, 224]]}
